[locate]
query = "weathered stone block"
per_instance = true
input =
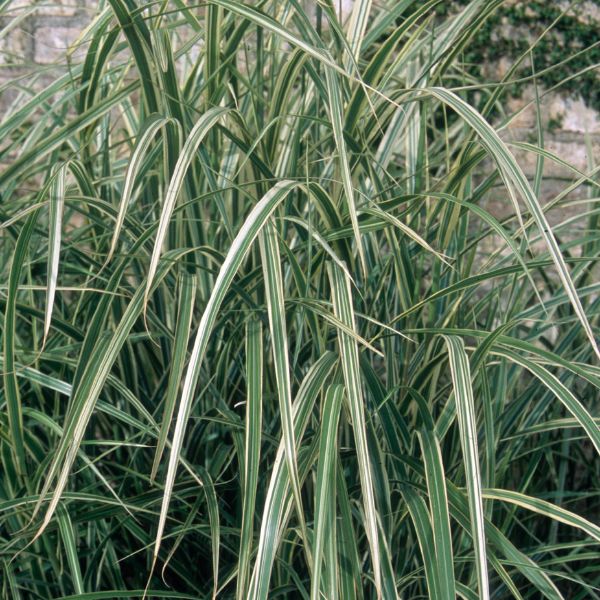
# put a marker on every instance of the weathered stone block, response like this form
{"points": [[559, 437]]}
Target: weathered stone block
{"points": [[16, 47], [579, 118], [44, 8], [587, 12], [57, 8], [53, 43]]}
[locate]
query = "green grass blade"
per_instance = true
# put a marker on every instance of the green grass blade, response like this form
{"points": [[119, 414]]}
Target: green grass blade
{"points": [[187, 297], [253, 433], [215, 529], [440, 519], [11, 387], [188, 153], [342, 303], [137, 34], [278, 493], [465, 409], [357, 27], [151, 127], [325, 491], [546, 509], [214, 25], [57, 202], [273, 279], [527, 567], [31, 157], [568, 399], [10, 582], [335, 113], [422, 524], [84, 400], [67, 534]]}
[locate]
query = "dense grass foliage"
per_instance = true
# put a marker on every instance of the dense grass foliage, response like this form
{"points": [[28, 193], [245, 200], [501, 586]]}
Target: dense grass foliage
{"points": [[262, 336]]}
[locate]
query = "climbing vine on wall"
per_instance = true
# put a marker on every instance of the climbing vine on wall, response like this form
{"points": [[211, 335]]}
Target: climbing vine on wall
{"points": [[514, 27]]}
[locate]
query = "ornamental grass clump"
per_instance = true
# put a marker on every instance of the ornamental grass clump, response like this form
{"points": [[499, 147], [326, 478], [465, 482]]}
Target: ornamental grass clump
{"points": [[263, 334]]}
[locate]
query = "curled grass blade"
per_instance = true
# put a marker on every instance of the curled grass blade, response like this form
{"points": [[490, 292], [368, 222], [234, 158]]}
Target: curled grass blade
{"points": [[188, 153], [237, 252], [515, 178], [151, 127]]}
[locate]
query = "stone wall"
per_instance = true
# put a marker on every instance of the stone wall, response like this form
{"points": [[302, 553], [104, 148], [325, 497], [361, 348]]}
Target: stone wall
{"points": [[36, 36], [34, 40], [41, 32], [571, 130]]}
